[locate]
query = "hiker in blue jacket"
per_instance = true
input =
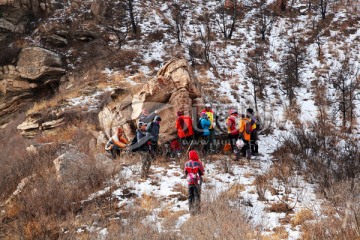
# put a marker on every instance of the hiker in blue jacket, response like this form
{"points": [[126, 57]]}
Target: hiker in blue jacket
{"points": [[205, 124]]}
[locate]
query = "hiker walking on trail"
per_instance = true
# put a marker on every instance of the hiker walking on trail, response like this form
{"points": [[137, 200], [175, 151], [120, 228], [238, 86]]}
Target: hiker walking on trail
{"points": [[245, 129], [153, 128], [184, 128], [212, 118], [205, 125], [194, 171], [116, 143], [143, 146], [233, 131]]}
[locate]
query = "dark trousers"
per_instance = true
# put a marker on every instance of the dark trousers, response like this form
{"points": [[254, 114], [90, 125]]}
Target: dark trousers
{"points": [[212, 139], [232, 138], [194, 198], [245, 150], [253, 138], [185, 142], [205, 144]]}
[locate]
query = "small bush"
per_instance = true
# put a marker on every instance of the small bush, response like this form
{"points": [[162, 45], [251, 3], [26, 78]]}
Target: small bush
{"points": [[280, 207], [302, 216], [262, 185], [158, 35]]}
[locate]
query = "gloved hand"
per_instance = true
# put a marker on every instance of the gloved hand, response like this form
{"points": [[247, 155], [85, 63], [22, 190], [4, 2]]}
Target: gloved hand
{"points": [[156, 111], [214, 125]]}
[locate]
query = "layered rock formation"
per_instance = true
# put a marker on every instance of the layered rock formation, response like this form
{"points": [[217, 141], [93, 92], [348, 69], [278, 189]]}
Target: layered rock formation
{"points": [[37, 72], [172, 90]]}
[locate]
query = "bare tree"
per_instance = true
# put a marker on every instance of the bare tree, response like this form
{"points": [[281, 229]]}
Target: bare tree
{"points": [[292, 66], [134, 21], [345, 80], [179, 18], [257, 73], [115, 19], [266, 19], [323, 5], [205, 32], [227, 14]]}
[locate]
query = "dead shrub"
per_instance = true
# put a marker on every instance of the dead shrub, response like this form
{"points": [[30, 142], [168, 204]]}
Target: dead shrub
{"points": [[302, 216], [157, 35], [261, 183], [280, 207]]}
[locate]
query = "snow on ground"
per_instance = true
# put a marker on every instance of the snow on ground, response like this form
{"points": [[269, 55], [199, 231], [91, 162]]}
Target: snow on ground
{"points": [[163, 182]]}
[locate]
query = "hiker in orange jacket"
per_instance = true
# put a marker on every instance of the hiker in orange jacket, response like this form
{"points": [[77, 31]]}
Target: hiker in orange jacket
{"points": [[184, 128], [245, 128], [116, 143]]}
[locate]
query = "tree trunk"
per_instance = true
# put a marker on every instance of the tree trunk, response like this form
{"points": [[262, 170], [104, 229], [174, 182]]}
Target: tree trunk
{"points": [[132, 18]]}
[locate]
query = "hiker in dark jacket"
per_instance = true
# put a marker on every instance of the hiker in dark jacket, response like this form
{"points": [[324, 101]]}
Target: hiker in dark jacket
{"points": [[194, 171], [153, 128], [143, 141], [146, 117]]}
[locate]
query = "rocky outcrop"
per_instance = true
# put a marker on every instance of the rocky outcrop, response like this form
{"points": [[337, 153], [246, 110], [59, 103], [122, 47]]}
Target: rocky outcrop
{"points": [[75, 167], [173, 89], [17, 14], [37, 71]]}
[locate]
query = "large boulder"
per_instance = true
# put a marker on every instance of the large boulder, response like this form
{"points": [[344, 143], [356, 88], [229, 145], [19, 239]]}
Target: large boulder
{"points": [[74, 167], [172, 90]]}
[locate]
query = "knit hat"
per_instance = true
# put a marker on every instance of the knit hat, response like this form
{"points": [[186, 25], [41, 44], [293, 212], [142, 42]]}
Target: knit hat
{"points": [[180, 113]]}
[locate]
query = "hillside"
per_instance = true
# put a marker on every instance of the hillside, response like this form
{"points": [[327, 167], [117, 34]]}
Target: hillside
{"points": [[71, 72]]}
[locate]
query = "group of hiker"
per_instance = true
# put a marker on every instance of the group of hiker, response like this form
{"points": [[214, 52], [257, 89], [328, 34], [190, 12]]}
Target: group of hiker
{"points": [[241, 140], [242, 133]]}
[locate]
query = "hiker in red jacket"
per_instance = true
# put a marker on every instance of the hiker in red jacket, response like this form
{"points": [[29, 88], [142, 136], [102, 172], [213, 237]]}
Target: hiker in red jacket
{"points": [[194, 171], [233, 131], [184, 128]]}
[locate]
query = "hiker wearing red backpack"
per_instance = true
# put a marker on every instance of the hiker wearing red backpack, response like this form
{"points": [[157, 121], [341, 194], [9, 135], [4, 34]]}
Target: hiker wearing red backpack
{"points": [[245, 129], [233, 131], [184, 128], [194, 171]]}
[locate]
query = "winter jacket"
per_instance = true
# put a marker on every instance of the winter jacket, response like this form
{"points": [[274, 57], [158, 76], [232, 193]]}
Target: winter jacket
{"points": [[147, 118], [205, 125], [115, 140], [193, 168], [246, 136], [231, 124], [184, 126], [142, 140], [154, 129], [211, 116]]}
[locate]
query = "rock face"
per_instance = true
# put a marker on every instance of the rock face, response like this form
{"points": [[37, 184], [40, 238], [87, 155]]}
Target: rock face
{"points": [[37, 71], [172, 90]]}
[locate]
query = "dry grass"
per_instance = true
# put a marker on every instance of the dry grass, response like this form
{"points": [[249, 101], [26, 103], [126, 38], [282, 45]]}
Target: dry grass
{"points": [[302, 216], [280, 207], [234, 192], [217, 218]]}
